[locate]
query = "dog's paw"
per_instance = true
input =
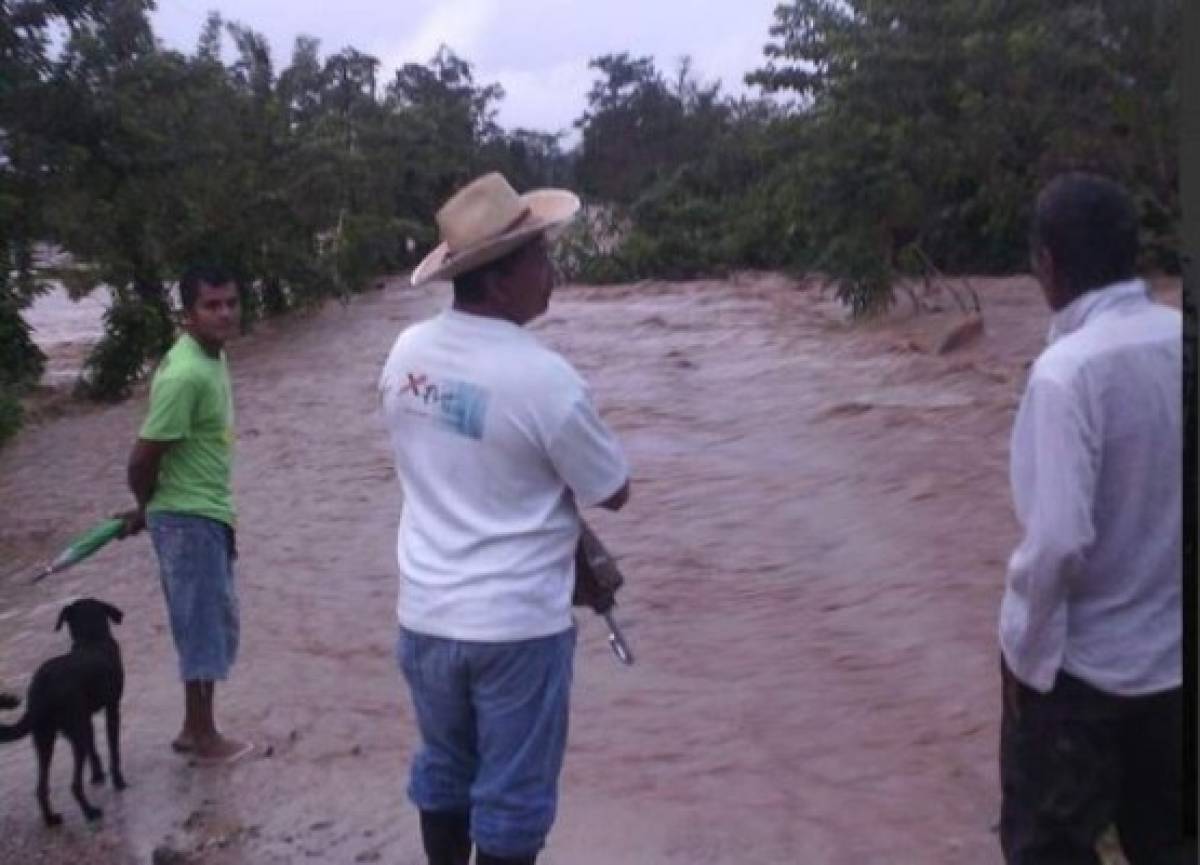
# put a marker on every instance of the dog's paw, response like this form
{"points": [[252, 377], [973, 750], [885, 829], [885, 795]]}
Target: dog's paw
{"points": [[93, 813], [53, 820], [119, 781]]}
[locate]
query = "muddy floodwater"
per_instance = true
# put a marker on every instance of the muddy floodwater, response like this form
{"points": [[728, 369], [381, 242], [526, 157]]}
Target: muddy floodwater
{"points": [[814, 548]]}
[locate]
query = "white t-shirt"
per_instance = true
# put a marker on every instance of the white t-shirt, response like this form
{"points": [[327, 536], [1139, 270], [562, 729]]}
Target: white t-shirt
{"points": [[496, 443]]}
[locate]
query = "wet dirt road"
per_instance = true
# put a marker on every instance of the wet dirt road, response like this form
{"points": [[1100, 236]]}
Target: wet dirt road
{"points": [[814, 547]]}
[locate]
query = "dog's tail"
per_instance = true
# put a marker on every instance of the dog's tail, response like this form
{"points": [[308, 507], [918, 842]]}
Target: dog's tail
{"points": [[19, 730]]}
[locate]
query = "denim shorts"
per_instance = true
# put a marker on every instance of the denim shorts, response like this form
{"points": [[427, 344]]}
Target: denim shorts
{"points": [[493, 723], [195, 560]]}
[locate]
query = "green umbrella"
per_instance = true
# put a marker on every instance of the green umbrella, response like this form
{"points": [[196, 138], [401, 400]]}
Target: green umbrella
{"points": [[83, 546]]}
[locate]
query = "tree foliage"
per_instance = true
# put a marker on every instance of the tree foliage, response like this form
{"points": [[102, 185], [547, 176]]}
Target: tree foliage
{"points": [[26, 27], [913, 134], [307, 182], [890, 136]]}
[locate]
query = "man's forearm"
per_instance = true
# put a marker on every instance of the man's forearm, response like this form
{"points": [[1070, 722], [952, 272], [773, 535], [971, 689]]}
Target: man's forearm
{"points": [[142, 472], [142, 479]]}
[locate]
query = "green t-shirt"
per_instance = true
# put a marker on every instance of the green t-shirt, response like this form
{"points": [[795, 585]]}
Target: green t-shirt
{"points": [[191, 403]]}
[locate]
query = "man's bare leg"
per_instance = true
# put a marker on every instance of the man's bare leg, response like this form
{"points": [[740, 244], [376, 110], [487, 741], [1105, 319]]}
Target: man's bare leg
{"points": [[193, 702], [199, 735]]}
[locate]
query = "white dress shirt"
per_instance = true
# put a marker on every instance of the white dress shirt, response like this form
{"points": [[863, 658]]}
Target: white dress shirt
{"points": [[1094, 588]]}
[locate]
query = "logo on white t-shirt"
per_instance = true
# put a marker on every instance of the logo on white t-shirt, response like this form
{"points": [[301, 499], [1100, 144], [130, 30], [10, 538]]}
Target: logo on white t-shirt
{"points": [[458, 406]]}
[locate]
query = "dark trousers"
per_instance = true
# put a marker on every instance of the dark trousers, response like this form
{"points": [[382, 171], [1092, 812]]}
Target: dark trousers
{"points": [[1077, 760]]}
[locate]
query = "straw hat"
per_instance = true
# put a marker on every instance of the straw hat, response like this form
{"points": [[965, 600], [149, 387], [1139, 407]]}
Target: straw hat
{"points": [[487, 219]]}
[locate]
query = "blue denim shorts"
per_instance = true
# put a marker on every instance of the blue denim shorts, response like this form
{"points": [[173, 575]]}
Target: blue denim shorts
{"points": [[493, 723], [195, 560]]}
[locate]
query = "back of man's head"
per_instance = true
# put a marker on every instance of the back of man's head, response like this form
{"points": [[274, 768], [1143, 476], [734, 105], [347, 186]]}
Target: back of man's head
{"points": [[197, 275], [471, 287], [1089, 226]]}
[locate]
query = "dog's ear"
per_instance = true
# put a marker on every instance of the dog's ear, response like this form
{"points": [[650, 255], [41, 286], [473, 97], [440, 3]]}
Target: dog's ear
{"points": [[64, 616], [112, 612]]}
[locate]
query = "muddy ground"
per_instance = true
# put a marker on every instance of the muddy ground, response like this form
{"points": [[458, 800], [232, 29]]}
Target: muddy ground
{"points": [[815, 550]]}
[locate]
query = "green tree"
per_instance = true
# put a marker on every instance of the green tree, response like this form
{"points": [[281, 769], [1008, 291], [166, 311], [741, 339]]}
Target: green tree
{"points": [[930, 125], [28, 150], [139, 161], [629, 128], [444, 119], [115, 205]]}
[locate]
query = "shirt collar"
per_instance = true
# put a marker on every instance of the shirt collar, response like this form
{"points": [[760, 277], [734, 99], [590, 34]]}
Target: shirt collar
{"points": [[194, 346], [1075, 314], [480, 322]]}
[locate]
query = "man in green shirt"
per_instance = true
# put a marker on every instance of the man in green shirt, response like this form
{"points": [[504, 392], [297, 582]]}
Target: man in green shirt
{"points": [[179, 472]]}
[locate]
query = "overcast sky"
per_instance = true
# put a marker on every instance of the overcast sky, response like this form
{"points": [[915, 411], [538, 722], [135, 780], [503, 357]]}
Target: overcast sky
{"points": [[537, 50]]}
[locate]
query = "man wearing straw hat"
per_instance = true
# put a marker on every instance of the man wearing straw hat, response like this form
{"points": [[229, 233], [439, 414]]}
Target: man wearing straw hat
{"points": [[497, 444]]}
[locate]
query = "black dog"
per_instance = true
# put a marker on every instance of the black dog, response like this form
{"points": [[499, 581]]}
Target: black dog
{"points": [[64, 694]]}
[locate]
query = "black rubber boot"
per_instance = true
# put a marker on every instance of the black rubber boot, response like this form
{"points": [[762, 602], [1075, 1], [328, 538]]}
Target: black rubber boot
{"points": [[488, 859], [447, 837]]}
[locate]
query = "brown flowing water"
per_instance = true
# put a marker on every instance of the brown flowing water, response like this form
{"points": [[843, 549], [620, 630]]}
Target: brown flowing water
{"points": [[815, 551]]}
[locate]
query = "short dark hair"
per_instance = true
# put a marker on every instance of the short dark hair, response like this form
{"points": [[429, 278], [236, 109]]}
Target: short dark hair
{"points": [[1090, 227], [197, 275], [471, 287]]}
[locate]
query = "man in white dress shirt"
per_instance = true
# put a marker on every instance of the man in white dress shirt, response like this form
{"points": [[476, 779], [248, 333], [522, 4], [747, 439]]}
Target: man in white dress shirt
{"points": [[1091, 621]]}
